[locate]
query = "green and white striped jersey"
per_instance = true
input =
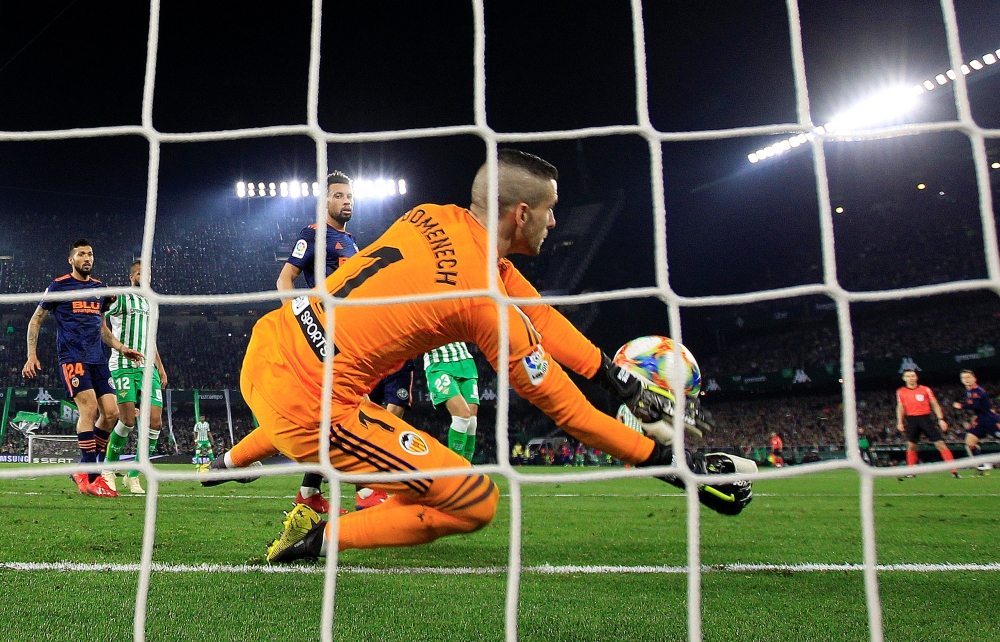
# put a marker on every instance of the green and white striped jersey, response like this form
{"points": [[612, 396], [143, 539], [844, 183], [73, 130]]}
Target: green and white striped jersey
{"points": [[450, 353], [201, 431], [129, 315]]}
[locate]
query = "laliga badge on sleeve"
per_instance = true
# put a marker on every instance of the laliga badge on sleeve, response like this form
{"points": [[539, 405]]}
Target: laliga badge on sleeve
{"points": [[536, 366]]}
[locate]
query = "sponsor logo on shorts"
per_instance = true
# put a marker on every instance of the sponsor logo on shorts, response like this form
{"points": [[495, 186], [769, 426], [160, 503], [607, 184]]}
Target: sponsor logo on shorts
{"points": [[536, 366], [300, 249], [403, 394], [413, 443]]}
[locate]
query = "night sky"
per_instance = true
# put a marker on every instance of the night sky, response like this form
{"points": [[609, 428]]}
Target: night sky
{"points": [[732, 227]]}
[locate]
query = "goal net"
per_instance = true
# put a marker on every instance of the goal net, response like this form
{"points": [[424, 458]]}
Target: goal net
{"points": [[801, 131]]}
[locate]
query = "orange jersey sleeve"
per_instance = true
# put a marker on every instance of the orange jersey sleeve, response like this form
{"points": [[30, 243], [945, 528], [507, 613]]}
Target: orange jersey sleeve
{"points": [[567, 344], [537, 377]]}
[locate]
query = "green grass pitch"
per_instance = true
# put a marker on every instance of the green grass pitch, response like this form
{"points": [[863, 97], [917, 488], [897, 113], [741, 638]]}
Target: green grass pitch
{"points": [[932, 519]]}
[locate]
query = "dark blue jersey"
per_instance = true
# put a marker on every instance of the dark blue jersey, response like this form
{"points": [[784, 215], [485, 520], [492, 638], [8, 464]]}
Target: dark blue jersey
{"points": [[977, 400], [340, 246], [78, 322]]}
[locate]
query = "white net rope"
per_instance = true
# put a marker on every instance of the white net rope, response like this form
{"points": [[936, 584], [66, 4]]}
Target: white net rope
{"points": [[655, 139]]}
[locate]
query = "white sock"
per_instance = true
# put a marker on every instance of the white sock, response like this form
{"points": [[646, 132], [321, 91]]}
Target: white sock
{"points": [[308, 491], [154, 435], [461, 424], [323, 547], [472, 426], [228, 461], [122, 430]]}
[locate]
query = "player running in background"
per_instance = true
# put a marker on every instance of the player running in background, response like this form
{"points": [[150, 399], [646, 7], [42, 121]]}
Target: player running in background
{"points": [[80, 338], [914, 404], [204, 443], [129, 318], [435, 249], [452, 379], [986, 421]]}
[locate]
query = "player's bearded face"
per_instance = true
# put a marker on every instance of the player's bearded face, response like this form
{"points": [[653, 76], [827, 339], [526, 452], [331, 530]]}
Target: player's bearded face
{"points": [[82, 260], [340, 202], [538, 221], [135, 275]]}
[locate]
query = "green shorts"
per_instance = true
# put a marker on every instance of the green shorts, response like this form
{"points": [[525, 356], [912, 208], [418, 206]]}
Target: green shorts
{"points": [[447, 380], [128, 383], [201, 446]]}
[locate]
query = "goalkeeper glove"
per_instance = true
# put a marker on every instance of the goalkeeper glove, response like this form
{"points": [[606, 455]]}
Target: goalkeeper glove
{"points": [[727, 499], [645, 404]]}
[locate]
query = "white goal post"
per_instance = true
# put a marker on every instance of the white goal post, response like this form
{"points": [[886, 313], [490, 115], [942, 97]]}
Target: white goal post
{"points": [[53, 449]]}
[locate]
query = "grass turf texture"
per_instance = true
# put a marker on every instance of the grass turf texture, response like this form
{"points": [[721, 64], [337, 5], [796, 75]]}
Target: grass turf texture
{"points": [[813, 519]]}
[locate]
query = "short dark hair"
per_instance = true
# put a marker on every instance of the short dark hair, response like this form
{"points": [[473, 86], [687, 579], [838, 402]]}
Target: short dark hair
{"points": [[78, 243], [339, 177], [534, 165], [967, 371], [134, 263], [905, 370]]}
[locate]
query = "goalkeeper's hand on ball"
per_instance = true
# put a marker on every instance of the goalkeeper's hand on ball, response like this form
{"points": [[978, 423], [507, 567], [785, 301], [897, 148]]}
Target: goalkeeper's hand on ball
{"points": [[725, 498], [646, 405]]}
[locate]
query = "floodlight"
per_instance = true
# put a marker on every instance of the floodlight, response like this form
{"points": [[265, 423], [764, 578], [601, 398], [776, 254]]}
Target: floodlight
{"points": [[271, 186], [752, 157], [250, 189], [295, 190], [839, 210], [241, 189], [271, 191], [918, 89], [998, 53], [402, 186], [989, 59], [305, 188], [940, 193], [390, 187], [921, 186], [284, 188], [316, 190], [928, 85], [975, 64], [941, 80], [995, 165], [951, 74], [965, 70]]}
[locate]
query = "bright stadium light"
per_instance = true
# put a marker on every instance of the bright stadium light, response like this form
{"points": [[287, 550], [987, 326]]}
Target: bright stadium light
{"points": [[241, 189], [839, 210], [921, 186], [402, 186], [995, 165], [283, 187], [305, 188], [316, 189], [295, 189], [884, 107], [250, 190]]}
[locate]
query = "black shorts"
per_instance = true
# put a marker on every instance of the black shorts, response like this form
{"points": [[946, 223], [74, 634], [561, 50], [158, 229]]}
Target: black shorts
{"points": [[922, 425], [396, 389], [78, 377]]}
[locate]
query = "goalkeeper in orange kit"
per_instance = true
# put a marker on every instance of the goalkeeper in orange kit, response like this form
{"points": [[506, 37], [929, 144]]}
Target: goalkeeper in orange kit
{"points": [[435, 249]]}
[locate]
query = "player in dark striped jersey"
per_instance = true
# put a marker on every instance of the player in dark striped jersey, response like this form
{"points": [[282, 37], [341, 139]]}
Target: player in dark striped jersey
{"points": [[986, 423], [80, 338]]}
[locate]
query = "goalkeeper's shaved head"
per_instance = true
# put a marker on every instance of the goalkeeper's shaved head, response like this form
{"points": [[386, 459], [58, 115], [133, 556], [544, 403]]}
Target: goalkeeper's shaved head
{"points": [[524, 178]]}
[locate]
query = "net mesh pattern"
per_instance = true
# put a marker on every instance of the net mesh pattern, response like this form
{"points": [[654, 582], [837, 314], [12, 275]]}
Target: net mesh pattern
{"points": [[480, 127]]}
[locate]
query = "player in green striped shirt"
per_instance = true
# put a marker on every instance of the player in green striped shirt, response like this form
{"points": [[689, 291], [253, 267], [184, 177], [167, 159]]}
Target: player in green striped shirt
{"points": [[129, 317], [452, 379]]}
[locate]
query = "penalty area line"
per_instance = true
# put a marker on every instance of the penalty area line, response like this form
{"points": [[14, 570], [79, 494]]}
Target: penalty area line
{"points": [[543, 569]]}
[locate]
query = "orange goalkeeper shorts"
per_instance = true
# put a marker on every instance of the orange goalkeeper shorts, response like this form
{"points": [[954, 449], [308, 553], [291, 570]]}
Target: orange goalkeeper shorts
{"points": [[365, 438]]}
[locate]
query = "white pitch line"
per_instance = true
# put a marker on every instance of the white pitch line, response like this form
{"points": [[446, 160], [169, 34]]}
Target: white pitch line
{"points": [[544, 569]]}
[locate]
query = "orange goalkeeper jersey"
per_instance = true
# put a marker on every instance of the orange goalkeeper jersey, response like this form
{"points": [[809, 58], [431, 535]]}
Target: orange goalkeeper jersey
{"points": [[431, 249]]}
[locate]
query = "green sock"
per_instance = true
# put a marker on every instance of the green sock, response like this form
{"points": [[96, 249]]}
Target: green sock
{"points": [[470, 447], [154, 436], [117, 441], [456, 441]]}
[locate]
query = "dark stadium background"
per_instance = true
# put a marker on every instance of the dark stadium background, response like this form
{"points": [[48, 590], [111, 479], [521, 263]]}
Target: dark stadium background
{"points": [[732, 227]]}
